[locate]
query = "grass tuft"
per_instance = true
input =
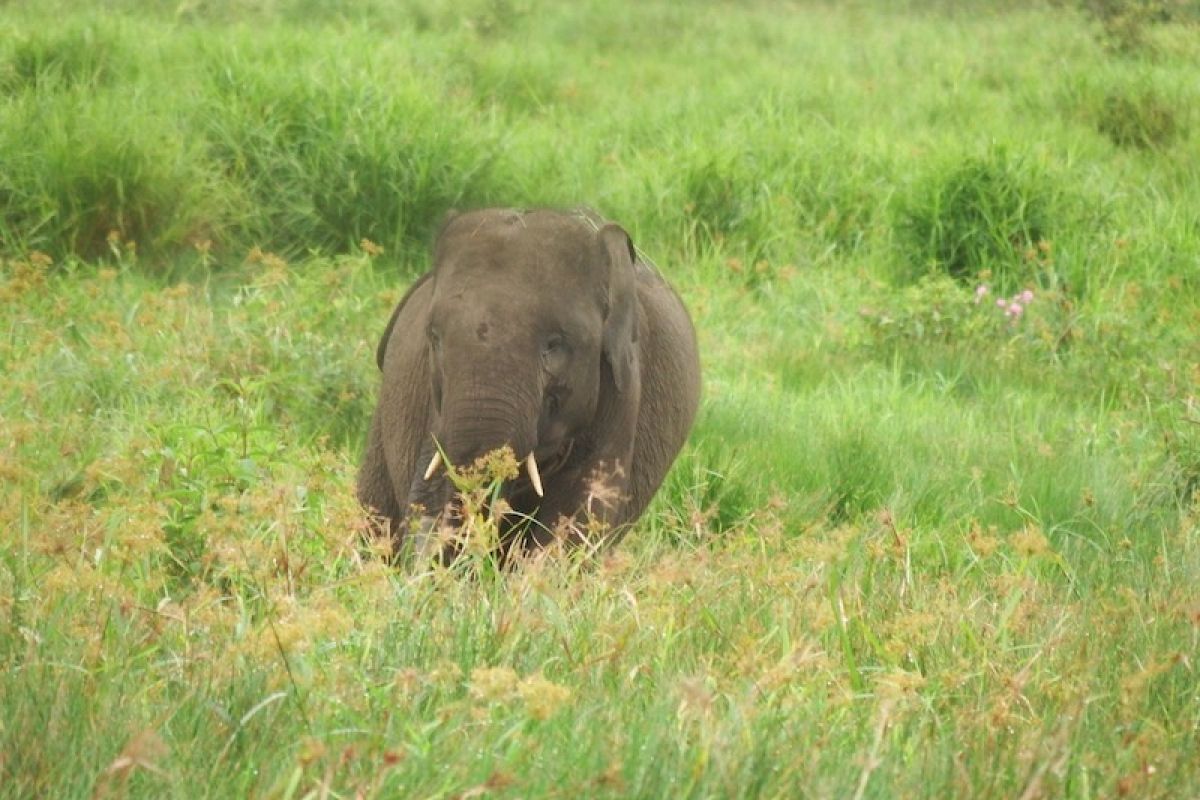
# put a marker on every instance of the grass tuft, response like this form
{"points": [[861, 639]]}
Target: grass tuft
{"points": [[87, 178], [333, 158], [1140, 119], [981, 213], [78, 56]]}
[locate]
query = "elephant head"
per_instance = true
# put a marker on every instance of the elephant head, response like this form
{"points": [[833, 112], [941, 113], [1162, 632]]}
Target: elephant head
{"points": [[543, 331], [531, 341]]}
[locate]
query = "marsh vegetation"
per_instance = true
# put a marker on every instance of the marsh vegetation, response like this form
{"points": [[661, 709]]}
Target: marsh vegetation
{"points": [[937, 530]]}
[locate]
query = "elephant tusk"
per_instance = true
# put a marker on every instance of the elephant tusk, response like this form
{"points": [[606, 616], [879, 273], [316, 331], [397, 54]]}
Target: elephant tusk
{"points": [[534, 477], [433, 465]]}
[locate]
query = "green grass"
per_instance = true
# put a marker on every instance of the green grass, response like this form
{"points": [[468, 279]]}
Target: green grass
{"points": [[916, 547]]}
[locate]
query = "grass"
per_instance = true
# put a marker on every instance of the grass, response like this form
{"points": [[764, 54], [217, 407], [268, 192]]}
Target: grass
{"points": [[919, 545]]}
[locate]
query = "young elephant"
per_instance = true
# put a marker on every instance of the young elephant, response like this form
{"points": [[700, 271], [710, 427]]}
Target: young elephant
{"points": [[543, 331]]}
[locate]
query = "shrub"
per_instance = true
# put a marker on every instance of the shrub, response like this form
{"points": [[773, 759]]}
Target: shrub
{"points": [[938, 314], [983, 213], [768, 198], [78, 167], [333, 158], [82, 55], [1125, 25], [1138, 118], [721, 197]]}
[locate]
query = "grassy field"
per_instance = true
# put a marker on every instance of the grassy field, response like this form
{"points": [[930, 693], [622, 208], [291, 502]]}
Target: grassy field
{"points": [[937, 531]]}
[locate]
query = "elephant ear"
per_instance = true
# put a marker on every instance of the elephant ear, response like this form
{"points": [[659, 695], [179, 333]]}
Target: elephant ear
{"points": [[621, 308], [447, 218], [381, 349]]}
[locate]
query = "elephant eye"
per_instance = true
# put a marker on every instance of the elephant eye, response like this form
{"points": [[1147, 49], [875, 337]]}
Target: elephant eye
{"points": [[554, 351], [553, 346]]}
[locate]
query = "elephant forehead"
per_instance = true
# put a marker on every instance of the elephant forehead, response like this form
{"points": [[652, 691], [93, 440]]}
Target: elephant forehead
{"points": [[537, 226], [504, 313], [517, 254], [536, 284], [529, 271]]}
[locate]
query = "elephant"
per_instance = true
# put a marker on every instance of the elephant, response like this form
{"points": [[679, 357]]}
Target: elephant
{"points": [[543, 330]]}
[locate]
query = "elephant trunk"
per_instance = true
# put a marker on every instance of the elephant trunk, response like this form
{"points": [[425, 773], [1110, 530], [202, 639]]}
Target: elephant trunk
{"points": [[483, 414], [475, 426]]}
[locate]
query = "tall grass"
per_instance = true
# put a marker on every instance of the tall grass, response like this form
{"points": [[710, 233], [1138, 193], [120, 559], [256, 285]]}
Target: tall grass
{"points": [[936, 530]]}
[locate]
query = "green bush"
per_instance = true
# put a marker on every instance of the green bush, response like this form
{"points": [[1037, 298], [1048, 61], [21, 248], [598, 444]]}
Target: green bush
{"points": [[303, 155], [775, 194], [79, 168], [1139, 118], [1126, 25], [81, 55], [982, 213], [332, 157], [722, 198]]}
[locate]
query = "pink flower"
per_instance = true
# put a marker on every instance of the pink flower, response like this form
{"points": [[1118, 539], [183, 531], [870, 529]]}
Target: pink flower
{"points": [[980, 292], [1015, 310], [1001, 302], [1026, 296]]}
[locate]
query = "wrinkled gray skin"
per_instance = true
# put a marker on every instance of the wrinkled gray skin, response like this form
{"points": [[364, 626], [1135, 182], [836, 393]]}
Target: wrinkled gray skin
{"points": [[543, 331]]}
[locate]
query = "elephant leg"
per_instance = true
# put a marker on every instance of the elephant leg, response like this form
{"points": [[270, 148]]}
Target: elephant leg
{"points": [[376, 491], [427, 543], [588, 510]]}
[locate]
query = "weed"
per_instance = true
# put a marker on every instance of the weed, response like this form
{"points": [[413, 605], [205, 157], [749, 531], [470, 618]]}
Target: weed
{"points": [[1142, 119]]}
